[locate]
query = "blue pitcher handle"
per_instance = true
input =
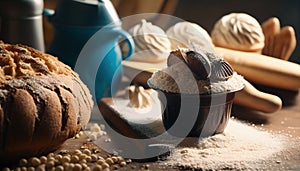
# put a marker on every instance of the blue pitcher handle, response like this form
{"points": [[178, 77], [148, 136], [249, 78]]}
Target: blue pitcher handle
{"points": [[128, 39]]}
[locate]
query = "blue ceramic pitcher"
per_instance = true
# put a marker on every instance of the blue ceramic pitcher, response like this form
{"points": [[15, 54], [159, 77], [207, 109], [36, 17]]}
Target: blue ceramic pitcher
{"points": [[75, 23]]}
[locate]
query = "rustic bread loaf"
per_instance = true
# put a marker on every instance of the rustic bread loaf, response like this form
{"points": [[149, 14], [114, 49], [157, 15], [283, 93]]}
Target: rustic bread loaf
{"points": [[42, 102]]}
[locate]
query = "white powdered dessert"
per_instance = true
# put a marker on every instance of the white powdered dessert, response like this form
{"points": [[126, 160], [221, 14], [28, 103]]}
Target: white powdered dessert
{"points": [[196, 72], [189, 35], [199, 85], [238, 31], [151, 43]]}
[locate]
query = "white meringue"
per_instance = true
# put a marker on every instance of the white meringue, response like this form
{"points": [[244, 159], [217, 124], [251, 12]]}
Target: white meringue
{"points": [[190, 35], [139, 97], [238, 31], [151, 43]]}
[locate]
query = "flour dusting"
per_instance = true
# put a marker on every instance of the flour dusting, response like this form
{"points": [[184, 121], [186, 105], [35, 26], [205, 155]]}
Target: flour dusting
{"points": [[240, 147]]}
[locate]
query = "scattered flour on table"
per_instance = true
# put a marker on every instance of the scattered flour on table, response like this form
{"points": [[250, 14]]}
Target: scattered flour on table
{"points": [[240, 147], [94, 131]]}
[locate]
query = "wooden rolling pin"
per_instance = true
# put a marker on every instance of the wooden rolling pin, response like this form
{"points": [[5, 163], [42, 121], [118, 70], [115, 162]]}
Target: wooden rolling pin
{"points": [[263, 69], [249, 96], [254, 99]]}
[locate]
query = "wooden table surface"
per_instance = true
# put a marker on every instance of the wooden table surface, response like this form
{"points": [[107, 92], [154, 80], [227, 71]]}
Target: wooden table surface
{"points": [[286, 121]]}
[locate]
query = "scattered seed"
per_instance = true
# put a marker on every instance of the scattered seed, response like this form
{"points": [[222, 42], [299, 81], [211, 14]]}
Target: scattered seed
{"points": [[6, 169], [77, 152], [120, 159], [23, 162], [82, 156], [58, 157], [66, 159], [66, 165], [94, 158], [50, 155], [59, 168], [109, 161], [43, 159], [87, 169], [34, 161], [87, 152], [77, 167], [71, 166], [30, 168], [51, 159], [41, 167], [100, 158], [123, 163], [105, 165], [84, 165], [115, 159], [88, 159], [17, 169], [50, 164], [97, 167], [74, 159], [82, 161], [100, 162]]}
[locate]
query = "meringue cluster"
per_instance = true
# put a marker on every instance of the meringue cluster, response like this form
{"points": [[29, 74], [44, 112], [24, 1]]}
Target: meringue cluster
{"points": [[238, 31], [153, 44]]}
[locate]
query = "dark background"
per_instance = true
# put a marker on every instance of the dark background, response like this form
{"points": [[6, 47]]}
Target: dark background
{"points": [[207, 12]]}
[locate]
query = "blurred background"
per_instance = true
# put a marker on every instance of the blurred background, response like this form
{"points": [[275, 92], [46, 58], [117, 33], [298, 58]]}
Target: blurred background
{"points": [[206, 12]]}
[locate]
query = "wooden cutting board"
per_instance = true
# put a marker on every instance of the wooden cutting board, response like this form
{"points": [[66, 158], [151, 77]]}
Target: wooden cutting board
{"points": [[132, 122]]}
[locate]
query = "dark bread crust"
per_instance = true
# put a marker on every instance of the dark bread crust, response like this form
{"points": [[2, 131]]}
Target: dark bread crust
{"points": [[42, 102]]}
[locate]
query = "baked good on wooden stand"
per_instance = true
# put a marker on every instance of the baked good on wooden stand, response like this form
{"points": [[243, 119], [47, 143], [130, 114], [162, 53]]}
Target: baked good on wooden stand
{"points": [[42, 103]]}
